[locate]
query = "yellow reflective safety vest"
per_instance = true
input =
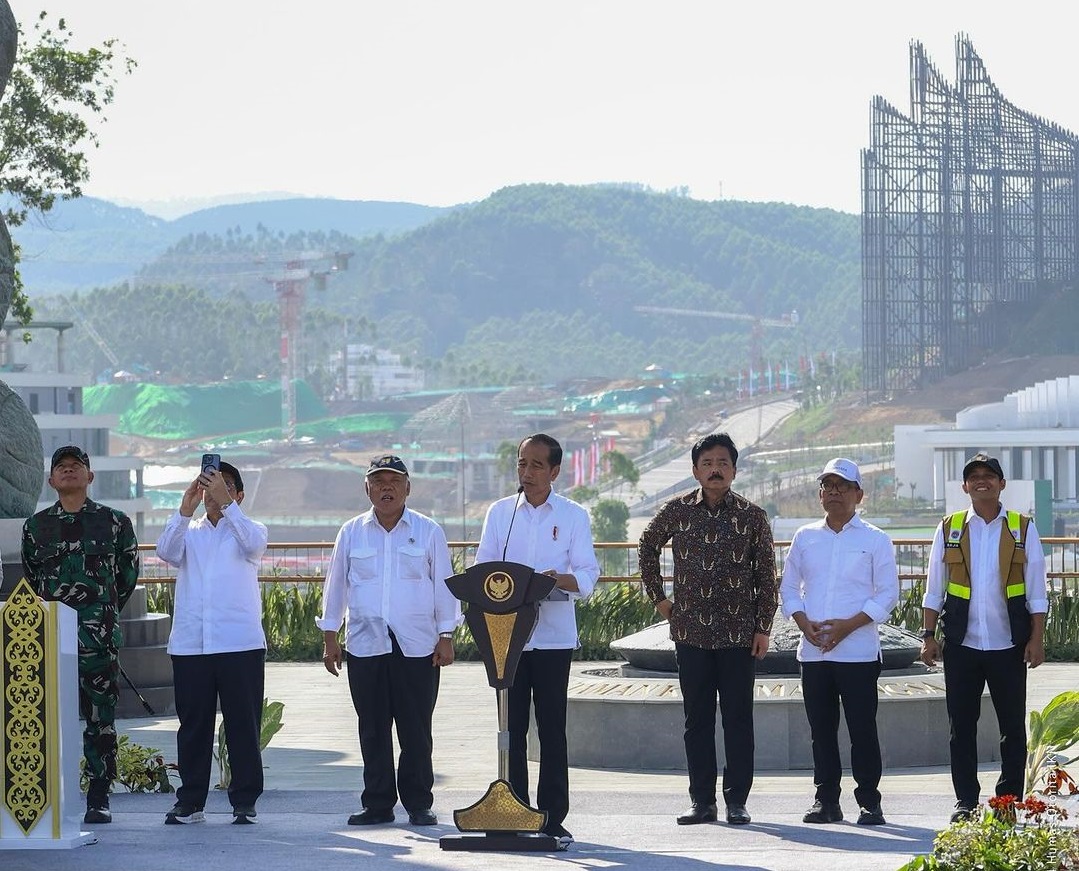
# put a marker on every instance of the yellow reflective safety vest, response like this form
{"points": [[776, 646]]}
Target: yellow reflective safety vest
{"points": [[1013, 557]]}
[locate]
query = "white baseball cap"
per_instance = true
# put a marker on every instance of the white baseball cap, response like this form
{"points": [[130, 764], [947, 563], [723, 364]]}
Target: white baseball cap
{"points": [[846, 469]]}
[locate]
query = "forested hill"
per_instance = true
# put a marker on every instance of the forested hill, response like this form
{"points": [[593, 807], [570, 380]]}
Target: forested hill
{"points": [[553, 274], [536, 282]]}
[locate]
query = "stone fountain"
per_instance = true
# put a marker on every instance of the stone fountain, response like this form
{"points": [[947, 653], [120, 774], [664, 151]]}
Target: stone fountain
{"points": [[630, 716]]}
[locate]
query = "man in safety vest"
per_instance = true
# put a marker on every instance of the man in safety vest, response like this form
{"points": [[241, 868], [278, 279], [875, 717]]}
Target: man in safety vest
{"points": [[986, 585]]}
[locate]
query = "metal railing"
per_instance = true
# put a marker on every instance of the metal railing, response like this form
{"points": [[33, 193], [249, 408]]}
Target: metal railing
{"points": [[306, 562]]}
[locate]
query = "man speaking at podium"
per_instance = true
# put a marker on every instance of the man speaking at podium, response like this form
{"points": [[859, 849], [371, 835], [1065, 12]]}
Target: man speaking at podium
{"points": [[553, 536]]}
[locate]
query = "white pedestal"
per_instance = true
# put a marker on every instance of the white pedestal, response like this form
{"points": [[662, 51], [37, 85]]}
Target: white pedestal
{"points": [[40, 738]]}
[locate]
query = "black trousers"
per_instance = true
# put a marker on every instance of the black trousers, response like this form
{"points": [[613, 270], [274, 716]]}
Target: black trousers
{"points": [[728, 671], [395, 690], [824, 685], [237, 681], [542, 678], [966, 672]]}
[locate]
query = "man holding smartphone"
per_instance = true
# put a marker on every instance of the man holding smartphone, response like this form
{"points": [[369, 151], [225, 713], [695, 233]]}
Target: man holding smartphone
{"points": [[217, 644]]}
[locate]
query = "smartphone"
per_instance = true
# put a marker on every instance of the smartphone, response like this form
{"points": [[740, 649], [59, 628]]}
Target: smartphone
{"points": [[211, 461]]}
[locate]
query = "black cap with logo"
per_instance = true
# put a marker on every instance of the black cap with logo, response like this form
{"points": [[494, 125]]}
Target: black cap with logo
{"points": [[983, 459], [73, 451], [387, 463]]}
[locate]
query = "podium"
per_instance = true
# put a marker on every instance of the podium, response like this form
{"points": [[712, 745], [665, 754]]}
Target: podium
{"points": [[40, 735], [503, 607]]}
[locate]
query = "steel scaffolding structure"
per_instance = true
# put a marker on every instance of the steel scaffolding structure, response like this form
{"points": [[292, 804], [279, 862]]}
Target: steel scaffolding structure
{"points": [[970, 215]]}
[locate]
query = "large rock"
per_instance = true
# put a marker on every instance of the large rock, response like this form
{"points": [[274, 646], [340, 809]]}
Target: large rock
{"points": [[21, 470], [9, 36]]}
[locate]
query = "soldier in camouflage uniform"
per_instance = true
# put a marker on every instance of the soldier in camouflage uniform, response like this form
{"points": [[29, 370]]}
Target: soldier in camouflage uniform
{"points": [[85, 555]]}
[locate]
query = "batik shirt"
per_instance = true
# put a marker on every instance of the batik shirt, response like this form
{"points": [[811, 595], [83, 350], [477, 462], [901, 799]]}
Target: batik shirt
{"points": [[87, 559], [725, 588]]}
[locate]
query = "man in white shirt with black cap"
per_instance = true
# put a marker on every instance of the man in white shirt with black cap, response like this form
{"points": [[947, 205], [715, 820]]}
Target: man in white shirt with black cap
{"points": [[553, 535], [217, 644], [387, 581], [839, 583], [986, 593]]}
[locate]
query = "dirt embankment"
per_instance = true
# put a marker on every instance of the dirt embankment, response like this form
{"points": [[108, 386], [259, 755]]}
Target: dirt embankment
{"points": [[990, 382]]}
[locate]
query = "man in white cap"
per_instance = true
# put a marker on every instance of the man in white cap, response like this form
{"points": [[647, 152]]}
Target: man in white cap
{"points": [[839, 582], [388, 573], [986, 592]]}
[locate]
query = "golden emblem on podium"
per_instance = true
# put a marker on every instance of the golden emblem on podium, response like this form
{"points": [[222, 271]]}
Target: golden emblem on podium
{"points": [[498, 586]]}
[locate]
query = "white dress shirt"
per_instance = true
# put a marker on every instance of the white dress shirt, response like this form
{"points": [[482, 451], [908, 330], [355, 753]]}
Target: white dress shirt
{"points": [[836, 575], [987, 619], [555, 535], [218, 606], [381, 581]]}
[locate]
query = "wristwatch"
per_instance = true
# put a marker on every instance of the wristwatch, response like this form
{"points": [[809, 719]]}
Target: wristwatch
{"points": [[929, 633], [445, 635]]}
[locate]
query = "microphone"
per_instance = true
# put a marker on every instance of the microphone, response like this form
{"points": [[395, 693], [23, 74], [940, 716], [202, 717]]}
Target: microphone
{"points": [[517, 502]]}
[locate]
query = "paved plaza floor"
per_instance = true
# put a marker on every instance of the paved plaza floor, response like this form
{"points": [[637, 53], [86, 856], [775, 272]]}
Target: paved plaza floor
{"points": [[621, 819]]}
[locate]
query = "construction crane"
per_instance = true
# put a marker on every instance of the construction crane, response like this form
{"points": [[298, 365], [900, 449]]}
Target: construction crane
{"points": [[787, 321], [102, 345], [291, 288]]}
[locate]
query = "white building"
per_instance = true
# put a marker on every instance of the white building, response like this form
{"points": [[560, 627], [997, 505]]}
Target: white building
{"points": [[1034, 433], [372, 373]]}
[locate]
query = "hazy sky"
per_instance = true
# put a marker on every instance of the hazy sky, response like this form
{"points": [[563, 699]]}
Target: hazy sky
{"points": [[445, 101]]}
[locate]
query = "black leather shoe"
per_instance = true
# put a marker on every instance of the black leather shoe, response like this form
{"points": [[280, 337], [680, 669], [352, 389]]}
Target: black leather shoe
{"points": [[425, 817], [737, 815], [97, 816], [962, 811], [871, 816], [244, 814], [699, 813], [368, 817], [559, 832], [823, 812]]}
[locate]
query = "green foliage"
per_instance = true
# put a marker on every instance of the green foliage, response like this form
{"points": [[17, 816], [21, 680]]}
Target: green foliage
{"points": [[623, 470], [289, 611], [166, 330], [138, 768], [991, 841], [53, 92], [582, 493], [161, 598], [271, 725], [611, 612], [610, 522], [1062, 622], [908, 610], [1052, 731]]}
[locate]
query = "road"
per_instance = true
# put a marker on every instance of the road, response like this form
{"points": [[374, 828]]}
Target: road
{"points": [[747, 428]]}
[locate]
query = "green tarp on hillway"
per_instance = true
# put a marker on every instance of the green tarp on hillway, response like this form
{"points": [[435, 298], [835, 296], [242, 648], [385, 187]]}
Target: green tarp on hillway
{"points": [[197, 411]]}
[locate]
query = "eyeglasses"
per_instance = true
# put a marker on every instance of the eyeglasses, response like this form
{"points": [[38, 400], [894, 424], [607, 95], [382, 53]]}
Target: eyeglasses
{"points": [[837, 486]]}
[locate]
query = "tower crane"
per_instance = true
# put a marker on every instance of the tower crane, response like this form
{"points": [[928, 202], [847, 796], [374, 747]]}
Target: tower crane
{"points": [[291, 288], [787, 321]]}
